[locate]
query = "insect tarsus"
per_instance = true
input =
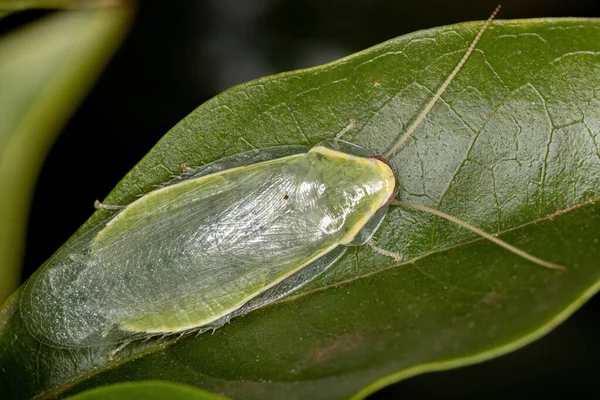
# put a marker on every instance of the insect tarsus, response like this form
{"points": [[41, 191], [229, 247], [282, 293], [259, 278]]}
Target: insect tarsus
{"points": [[393, 254], [101, 206]]}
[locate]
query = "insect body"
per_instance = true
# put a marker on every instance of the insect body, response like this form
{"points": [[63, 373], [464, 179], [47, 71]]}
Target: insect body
{"points": [[219, 241], [193, 252]]}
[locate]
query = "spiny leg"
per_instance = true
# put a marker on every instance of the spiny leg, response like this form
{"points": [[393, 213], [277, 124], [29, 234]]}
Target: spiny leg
{"points": [[350, 127], [184, 168], [393, 254], [480, 232], [411, 129], [110, 356], [100, 206]]}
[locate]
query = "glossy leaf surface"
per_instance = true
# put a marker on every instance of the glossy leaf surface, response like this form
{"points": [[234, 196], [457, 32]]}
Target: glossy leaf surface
{"points": [[46, 69]]}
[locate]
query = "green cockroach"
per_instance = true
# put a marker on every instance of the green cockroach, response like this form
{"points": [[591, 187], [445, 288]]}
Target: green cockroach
{"points": [[221, 240]]}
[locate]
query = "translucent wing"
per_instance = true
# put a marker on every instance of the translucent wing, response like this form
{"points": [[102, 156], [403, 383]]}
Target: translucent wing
{"points": [[293, 283], [187, 254]]}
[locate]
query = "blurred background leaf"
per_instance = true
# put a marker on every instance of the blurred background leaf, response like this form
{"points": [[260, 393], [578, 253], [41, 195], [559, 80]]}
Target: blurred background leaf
{"points": [[20, 5], [46, 68]]}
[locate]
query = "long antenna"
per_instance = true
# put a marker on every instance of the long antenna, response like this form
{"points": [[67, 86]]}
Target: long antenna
{"points": [[400, 143], [481, 233]]}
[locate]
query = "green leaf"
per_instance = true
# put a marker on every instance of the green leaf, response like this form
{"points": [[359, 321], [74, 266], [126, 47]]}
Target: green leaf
{"points": [[46, 68], [8, 7], [146, 390], [513, 147], [19, 5]]}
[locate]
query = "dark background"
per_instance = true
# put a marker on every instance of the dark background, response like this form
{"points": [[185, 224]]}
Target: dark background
{"points": [[181, 53]]}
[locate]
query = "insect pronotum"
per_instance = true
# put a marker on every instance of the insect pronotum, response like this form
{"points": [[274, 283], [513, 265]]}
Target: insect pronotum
{"points": [[221, 240]]}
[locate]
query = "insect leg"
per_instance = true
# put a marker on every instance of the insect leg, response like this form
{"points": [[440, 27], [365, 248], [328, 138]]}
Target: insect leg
{"points": [[350, 127], [100, 206], [480, 232], [110, 356], [185, 168], [393, 254]]}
